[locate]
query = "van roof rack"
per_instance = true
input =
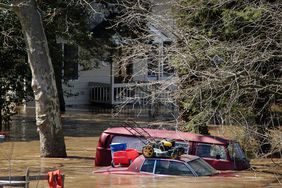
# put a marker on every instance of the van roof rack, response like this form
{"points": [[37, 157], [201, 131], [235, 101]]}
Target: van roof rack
{"points": [[136, 130]]}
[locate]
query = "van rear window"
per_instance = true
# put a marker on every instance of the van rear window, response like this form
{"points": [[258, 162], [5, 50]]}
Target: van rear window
{"points": [[131, 142]]}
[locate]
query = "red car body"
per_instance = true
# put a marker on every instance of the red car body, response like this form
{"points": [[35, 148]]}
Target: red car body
{"points": [[165, 166], [4, 133], [220, 153]]}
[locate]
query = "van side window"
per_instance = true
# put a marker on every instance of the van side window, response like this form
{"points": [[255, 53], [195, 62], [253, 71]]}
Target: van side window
{"points": [[184, 145], [131, 142], [211, 151]]}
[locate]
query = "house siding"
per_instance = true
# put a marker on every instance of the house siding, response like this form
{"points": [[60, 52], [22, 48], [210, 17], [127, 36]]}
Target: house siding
{"points": [[79, 89]]}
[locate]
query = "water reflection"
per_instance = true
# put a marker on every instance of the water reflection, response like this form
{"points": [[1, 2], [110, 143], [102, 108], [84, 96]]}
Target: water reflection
{"points": [[166, 182], [22, 152]]}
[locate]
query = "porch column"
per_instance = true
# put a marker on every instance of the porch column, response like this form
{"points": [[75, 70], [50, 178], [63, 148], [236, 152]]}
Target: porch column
{"points": [[160, 62], [112, 82]]}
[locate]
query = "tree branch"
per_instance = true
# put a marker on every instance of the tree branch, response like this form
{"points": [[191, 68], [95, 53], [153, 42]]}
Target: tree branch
{"points": [[4, 6]]}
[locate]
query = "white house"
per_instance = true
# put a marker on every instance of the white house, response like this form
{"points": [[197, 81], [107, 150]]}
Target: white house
{"points": [[110, 83]]}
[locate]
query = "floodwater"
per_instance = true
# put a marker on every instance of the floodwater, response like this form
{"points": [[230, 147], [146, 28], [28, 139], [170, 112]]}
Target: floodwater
{"points": [[82, 131]]}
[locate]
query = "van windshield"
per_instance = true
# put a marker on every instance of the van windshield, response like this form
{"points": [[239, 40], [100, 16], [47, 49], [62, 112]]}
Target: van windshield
{"points": [[236, 151]]}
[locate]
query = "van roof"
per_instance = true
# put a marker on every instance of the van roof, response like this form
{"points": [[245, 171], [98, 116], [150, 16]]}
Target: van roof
{"points": [[169, 134]]}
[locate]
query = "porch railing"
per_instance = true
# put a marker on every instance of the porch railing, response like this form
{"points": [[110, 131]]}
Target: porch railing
{"points": [[126, 93], [100, 93]]}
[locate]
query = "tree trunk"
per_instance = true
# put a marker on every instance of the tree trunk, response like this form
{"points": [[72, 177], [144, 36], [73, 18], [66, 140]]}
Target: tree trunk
{"points": [[48, 117], [1, 119]]}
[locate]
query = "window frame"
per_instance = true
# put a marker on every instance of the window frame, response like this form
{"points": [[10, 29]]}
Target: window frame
{"points": [[203, 162], [222, 147], [74, 62], [169, 161], [158, 64], [128, 141], [235, 151], [154, 168]]}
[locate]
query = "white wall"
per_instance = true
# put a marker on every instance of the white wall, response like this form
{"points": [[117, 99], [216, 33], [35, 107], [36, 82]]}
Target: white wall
{"points": [[80, 86]]}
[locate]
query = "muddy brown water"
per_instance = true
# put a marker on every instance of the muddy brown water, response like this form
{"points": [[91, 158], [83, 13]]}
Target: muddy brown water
{"points": [[82, 131]]}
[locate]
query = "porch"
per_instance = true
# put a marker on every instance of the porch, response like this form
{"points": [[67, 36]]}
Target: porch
{"points": [[128, 93]]}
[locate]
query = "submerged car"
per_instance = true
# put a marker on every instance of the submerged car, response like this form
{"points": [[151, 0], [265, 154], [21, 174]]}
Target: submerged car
{"points": [[187, 165], [220, 153]]}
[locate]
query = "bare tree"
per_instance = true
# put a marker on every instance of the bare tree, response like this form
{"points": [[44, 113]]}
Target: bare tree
{"points": [[229, 64], [145, 34], [226, 57]]}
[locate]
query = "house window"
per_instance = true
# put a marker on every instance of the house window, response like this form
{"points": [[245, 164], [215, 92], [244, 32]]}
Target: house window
{"points": [[123, 72], [153, 67], [158, 65], [167, 70], [70, 65]]}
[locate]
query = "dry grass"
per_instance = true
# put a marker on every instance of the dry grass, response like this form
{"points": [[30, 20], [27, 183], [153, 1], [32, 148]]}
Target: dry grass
{"points": [[246, 136]]}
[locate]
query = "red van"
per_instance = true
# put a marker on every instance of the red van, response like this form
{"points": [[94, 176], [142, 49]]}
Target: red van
{"points": [[220, 153]]}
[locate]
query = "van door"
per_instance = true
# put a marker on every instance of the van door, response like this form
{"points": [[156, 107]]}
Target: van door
{"points": [[238, 157], [215, 155]]}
